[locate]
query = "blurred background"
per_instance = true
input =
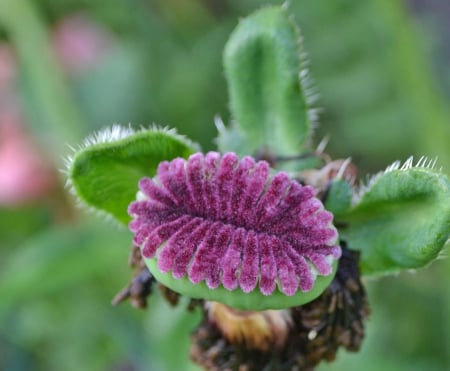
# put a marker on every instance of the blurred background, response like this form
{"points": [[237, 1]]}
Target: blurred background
{"points": [[69, 67]]}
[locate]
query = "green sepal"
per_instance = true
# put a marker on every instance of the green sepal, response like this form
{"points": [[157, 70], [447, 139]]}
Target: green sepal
{"points": [[104, 173], [339, 197], [238, 299], [263, 63], [402, 220]]}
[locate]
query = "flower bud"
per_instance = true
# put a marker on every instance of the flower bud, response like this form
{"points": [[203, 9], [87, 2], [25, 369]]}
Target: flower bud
{"points": [[223, 229]]}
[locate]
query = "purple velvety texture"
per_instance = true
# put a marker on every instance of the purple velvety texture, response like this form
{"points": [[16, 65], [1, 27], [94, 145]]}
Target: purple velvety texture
{"points": [[228, 221]]}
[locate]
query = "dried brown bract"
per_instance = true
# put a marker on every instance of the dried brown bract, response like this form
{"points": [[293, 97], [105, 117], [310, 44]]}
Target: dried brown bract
{"points": [[141, 284]]}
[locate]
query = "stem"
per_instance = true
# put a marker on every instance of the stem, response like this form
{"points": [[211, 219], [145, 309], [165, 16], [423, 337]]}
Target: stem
{"points": [[57, 115]]}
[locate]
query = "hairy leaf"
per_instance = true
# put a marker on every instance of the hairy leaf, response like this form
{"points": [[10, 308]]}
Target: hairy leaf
{"points": [[105, 172], [263, 66], [401, 221]]}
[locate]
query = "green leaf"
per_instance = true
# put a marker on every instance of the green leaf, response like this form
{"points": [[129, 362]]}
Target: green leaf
{"points": [[402, 221], [58, 259], [339, 196], [105, 173], [263, 65]]}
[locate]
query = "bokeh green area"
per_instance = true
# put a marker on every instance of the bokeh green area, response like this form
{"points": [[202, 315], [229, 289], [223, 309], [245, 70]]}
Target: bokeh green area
{"points": [[384, 90]]}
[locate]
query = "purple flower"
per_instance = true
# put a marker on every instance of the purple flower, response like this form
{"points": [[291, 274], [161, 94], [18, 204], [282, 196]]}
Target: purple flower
{"points": [[228, 221]]}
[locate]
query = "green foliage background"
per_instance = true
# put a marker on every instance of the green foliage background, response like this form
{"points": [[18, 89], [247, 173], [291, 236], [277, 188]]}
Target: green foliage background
{"points": [[382, 101]]}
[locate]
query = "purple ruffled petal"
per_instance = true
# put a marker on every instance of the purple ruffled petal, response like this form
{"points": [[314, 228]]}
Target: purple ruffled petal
{"points": [[213, 279], [227, 222], [232, 259], [187, 250], [268, 268], [250, 263]]}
